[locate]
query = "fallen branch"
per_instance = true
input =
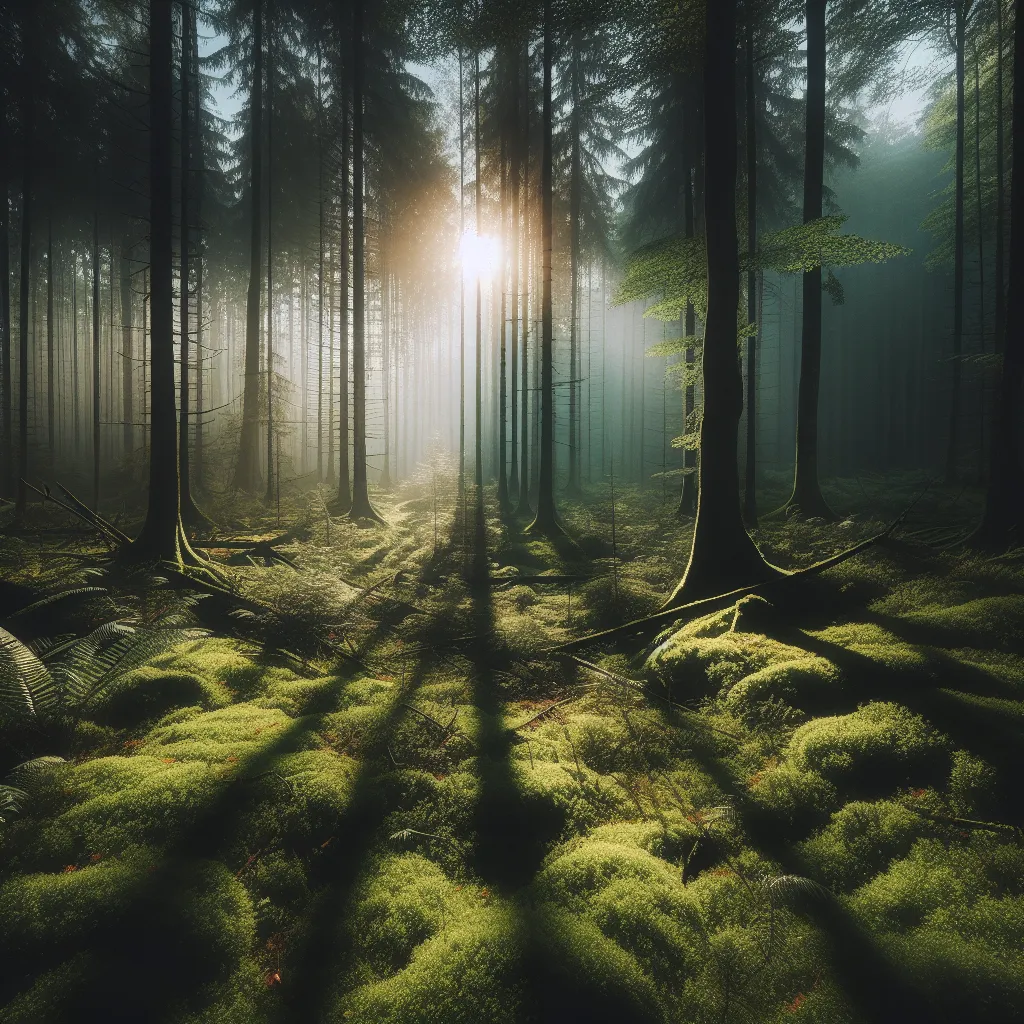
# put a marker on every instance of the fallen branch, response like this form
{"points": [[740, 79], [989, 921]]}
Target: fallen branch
{"points": [[544, 711], [94, 517]]}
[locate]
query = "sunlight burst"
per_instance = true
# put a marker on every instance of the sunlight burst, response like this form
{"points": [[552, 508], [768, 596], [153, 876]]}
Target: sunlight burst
{"points": [[479, 255]]}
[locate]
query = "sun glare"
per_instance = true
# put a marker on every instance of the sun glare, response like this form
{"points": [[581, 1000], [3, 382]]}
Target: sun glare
{"points": [[478, 255]]}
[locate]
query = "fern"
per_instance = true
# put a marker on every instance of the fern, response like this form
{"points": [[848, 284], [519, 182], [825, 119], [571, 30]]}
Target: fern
{"points": [[27, 688], [23, 781]]}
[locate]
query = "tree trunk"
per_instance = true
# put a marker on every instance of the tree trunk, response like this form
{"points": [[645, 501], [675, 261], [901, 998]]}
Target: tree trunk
{"points": [[269, 497], [524, 469], [50, 382], [247, 471], [479, 451], [503, 503], [516, 159], [196, 475], [162, 537], [688, 492], [28, 158], [749, 493], [807, 497], [1004, 499], [95, 360], [722, 556], [952, 437], [361, 507], [190, 515], [344, 500], [574, 266], [546, 521], [127, 346], [6, 405], [462, 287]]}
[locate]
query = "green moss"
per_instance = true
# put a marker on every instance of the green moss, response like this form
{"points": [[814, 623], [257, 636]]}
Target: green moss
{"points": [[701, 665], [124, 802], [298, 697], [986, 622], [861, 840], [150, 692], [603, 603], [54, 908], [877, 749], [972, 785], [464, 975], [806, 684], [497, 965], [238, 732], [406, 900]]}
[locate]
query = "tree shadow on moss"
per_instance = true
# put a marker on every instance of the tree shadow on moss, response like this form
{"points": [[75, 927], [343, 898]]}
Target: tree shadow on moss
{"points": [[514, 831]]}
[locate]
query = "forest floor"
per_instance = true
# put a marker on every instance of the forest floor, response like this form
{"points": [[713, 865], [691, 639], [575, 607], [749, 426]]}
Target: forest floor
{"points": [[383, 800]]}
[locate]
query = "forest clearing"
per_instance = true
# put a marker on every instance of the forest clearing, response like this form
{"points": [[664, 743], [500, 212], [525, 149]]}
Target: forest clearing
{"points": [[510, 512]]}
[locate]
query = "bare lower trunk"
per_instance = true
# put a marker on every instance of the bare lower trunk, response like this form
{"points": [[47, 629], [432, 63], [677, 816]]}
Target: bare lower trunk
{"points": [[722, 556], [247, 471]]}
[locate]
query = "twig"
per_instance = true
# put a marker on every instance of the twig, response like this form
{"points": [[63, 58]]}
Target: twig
{"points": [[544, 711]]}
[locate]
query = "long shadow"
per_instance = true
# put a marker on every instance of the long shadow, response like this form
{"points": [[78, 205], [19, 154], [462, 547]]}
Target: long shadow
{"points": [[143, 961], [514, 831], [871, 982]]}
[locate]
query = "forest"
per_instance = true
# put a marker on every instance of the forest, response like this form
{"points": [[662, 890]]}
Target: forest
{"points": [[510, 511]]}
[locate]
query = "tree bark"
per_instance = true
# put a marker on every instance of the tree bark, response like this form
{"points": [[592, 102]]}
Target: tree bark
{"points": [[503, 334], [574, 265], [6, 405], [50, 382], [95, 360], [27, 184], [190, 515], [952, 437], [1004, 498], [546, 520], [807, 497], [247, 471], [162, 537], [361, 507], [524, 469], [750, 489], [269, 497], [479, 450], [722, 556], [344, 499], [127, 346], [515, 154]]}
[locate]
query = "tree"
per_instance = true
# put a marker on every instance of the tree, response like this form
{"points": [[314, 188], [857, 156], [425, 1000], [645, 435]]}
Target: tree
{"points": [[247, 470], [546, 519], [807, 496], [162, 537], [1004, 494], [722, 556], [361, 507], [190, 514]]}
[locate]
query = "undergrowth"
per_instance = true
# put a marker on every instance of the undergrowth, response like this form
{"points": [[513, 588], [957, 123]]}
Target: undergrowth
{"points": [[378, 799]]}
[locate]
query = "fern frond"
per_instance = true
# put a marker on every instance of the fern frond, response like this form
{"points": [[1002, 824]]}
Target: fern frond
{"points": [[61, 595], [27, 688]]}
